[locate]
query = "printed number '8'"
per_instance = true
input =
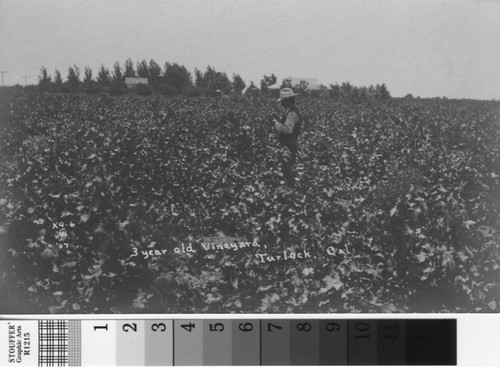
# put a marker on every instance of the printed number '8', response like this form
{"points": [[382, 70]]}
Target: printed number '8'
{"points": [[304, 326]]}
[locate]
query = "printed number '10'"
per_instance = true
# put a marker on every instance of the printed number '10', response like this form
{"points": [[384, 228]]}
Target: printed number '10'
{"points": [[362, 327]]}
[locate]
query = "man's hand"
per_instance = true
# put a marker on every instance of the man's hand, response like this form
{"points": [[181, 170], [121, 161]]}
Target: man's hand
{"points": [[274, 118]]}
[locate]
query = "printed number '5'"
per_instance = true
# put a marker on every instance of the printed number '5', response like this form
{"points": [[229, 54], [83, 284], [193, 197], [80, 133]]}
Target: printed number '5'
{"points": [[216, 327]]}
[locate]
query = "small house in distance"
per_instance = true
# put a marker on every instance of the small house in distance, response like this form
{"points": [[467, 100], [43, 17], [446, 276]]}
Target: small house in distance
{"points": [[131, 83]]}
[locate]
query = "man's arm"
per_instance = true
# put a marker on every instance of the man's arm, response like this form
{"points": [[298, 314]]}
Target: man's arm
{"points": [[287, 127]]}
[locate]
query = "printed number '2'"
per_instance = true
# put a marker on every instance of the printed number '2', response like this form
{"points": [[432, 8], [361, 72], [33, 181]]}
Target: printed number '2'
{"points": [[128, 327]]}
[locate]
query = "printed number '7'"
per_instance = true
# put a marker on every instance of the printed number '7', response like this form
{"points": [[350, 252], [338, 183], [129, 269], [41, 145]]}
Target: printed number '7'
{"points": [[270, 325]]}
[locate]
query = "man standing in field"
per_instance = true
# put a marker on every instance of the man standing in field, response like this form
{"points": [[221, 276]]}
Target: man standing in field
{"points": [[288, 128]]}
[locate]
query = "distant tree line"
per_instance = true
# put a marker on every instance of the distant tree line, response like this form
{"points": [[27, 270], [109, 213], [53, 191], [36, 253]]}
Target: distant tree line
{"points": [[175, 79]]}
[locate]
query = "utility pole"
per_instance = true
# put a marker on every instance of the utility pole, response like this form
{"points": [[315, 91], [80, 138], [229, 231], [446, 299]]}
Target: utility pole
{"points": [[25, 77], [3, 72]]}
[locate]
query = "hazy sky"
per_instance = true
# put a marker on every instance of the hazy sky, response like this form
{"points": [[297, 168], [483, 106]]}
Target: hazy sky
{"points": [[424, 47]]}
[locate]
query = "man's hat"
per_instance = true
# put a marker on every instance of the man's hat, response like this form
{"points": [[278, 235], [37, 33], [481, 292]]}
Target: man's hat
{"points": [[286, 93]]}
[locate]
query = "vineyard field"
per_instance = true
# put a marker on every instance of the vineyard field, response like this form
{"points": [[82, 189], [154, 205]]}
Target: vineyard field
{"points": [[158, 204]]}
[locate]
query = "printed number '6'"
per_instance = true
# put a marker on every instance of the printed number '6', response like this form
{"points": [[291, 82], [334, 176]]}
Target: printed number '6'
{"points": [[246, 326]]}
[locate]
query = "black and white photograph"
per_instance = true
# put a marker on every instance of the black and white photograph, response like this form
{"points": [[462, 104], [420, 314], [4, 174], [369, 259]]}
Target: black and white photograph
{"points": [[253, 157]]}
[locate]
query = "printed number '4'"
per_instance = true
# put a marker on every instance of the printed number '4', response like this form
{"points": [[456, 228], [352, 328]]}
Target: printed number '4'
{"points": [[188, 327]]}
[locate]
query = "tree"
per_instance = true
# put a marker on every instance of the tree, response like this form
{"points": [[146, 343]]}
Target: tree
{"points": [[252, 90], [302, 87], [213, 81], [345, 91], [57, 78], [44, 75], [129, 69], [266, 82], [382, 92], [104, 77], [73, 75], [238, 83], [177, 76], [44, 80], [154, 73], [363, 94], [371, 93], [321, 92], [142, 69], [87, 75], [117, 72], [198, 78], [334, 91], [355, 95]]}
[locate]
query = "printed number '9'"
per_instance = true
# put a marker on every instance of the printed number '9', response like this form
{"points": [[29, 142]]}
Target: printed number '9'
{"points": [[332, 326]]}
